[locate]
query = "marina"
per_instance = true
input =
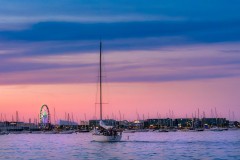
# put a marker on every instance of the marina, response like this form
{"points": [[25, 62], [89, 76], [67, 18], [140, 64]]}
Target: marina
{"points": [[128, 127]]}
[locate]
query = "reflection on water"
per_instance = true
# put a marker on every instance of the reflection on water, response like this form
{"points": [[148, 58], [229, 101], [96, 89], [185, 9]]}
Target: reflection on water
{"points": [[147, 145]]}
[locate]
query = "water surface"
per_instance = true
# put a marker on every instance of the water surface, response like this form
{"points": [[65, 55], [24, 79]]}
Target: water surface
{"points": [[145, 145]]}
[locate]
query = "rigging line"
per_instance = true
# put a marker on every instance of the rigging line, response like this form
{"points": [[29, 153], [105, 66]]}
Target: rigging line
{"points": [[100, 65], [105, 82], [96, 96]]}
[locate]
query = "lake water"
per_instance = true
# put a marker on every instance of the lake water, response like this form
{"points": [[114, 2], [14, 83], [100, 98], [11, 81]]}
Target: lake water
{"points": [[148, 145]]}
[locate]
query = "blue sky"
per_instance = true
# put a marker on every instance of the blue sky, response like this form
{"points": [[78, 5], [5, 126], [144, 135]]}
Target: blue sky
{"points": [[39, 29]]}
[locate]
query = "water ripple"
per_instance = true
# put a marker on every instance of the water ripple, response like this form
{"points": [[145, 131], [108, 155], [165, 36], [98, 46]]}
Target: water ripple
{"points": [[150, 145]]}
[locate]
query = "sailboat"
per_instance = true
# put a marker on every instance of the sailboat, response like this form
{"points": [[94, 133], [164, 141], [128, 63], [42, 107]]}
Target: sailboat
{"points": [[104, 133]]}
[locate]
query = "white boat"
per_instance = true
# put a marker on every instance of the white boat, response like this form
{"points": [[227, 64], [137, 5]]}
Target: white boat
{"points": [[103, 138], [104, 133]]}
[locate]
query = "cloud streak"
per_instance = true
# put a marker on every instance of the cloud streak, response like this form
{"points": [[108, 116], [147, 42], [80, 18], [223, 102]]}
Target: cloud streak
{"points": [[176, 64]]}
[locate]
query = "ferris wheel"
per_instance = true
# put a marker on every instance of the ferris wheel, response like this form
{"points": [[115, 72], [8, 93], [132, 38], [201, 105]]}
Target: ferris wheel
{"points": [[45, 116]]}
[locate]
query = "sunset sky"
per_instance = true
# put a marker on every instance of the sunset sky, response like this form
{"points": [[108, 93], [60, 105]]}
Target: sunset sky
{"points": [[159, 57]]}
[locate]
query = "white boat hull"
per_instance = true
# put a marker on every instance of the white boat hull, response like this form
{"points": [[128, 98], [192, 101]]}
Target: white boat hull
{"points": [[103, 138]]}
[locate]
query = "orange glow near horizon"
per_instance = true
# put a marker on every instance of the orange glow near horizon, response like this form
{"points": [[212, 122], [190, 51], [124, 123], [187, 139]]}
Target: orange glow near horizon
{"points": [[129, 99]]}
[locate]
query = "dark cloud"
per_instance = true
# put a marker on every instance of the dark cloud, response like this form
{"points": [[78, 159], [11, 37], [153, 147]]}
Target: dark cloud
{"points": [[66, 31]]}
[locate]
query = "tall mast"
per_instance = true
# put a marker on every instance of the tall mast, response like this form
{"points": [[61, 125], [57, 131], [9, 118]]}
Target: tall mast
{"points": [[100, 80]]}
